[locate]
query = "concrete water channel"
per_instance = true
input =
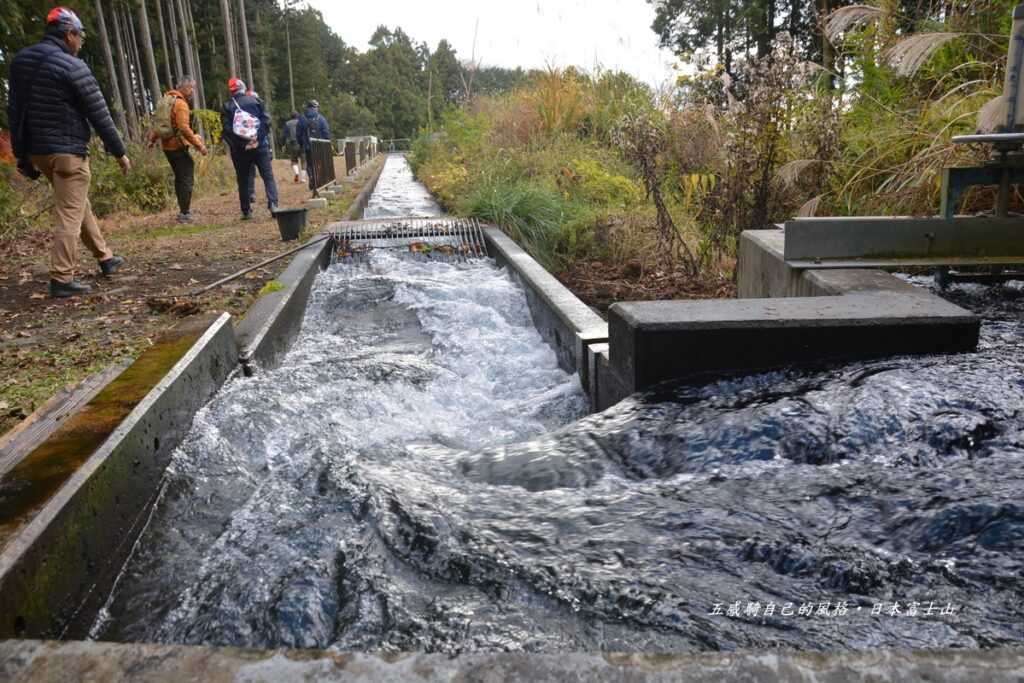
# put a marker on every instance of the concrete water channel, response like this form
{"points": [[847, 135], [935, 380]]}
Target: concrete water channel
{"points": [[457, 456]]}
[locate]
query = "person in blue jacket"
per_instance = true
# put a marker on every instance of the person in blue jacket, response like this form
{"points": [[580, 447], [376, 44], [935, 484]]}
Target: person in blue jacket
{"points": [[312, 125], [247, 153]]}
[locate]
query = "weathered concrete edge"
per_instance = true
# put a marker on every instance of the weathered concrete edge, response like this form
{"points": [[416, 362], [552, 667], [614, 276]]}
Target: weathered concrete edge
{"points": [[271, 324], [564, 322], [763, 274], [116, 475], [355, 212], [856, 237], [52, 661]]}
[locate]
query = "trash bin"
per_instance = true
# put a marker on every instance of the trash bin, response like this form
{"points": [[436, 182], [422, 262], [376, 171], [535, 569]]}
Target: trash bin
{"points": [[290, 223]]}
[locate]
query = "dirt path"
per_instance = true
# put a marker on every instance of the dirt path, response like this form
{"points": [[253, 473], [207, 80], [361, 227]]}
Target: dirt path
{"points": [[46, 344]]}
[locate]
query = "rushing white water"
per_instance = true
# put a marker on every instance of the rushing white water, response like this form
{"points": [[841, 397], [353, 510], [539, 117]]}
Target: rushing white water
{"points": [[400, 365], [398, 194]]}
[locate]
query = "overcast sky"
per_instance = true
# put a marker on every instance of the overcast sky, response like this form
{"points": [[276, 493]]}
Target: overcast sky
{"points": [[530, 33]]}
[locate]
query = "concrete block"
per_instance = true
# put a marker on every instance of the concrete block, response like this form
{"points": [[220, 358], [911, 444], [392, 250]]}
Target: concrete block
{"points": [[316, 203], [657, 341], [762, 272], [903, 238], [270, 326], [64, 539]]}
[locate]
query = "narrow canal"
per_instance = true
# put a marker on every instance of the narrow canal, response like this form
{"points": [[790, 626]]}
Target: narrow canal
{"points": [[419, 475]]}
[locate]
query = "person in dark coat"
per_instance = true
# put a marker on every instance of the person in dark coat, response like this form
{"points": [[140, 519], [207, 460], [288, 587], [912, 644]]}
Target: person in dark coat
{"points": [[55, 104], [247, 153], [312, 125]]}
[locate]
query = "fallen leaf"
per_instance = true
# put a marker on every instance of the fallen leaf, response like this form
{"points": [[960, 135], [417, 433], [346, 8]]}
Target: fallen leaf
{"points": [[175, 266], [37, 295], [24, 333]]}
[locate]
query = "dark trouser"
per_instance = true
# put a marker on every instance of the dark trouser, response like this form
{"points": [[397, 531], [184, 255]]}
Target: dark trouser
{"points": [[311, 170], [244, 162], [184, 176]]}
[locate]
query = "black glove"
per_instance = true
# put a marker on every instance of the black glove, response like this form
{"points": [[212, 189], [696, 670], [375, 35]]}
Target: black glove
{"points": [[26, 169]]}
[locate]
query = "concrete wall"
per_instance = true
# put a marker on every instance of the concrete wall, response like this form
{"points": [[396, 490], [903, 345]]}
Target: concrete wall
{"points": [[564, 322], [271, 324], [784, 316], [36, 662], [58, 567]]}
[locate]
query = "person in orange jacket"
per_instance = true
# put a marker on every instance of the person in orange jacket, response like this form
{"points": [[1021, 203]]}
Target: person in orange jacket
{"points": [[175, 134]]}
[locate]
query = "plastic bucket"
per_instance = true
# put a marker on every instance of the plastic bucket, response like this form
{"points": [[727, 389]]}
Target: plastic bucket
{"points": [[290, 222]]}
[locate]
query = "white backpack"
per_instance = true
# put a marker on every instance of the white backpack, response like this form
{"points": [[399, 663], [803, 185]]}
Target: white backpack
{"points": [[244, 125]]}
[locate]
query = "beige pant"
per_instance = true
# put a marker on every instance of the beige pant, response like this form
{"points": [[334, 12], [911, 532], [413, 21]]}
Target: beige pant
{"points": [[70, 176]]}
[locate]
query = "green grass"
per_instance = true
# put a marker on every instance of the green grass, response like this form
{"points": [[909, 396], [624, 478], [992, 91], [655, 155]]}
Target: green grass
{"points": [[170, 231], [533, 215], [270, 288]]}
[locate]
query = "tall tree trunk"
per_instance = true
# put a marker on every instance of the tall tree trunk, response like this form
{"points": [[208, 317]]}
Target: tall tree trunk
{"points": [[171, 81], [246, 56], [146, 38], [430, 93], [126, 78], [136, 62], [268, 90], [291, 77], [108, 59], [172, 15], [198, 73], [229, 38], [828, 53]]}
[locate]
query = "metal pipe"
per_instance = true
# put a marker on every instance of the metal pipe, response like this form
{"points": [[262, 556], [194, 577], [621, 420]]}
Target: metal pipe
{"points": [[235, 276]]}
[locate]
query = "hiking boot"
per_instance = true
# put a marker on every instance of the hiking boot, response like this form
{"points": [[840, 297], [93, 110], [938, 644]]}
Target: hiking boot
{"points": [[63, 290], [185, 218], [110, 266], [273, 209], [247, 215]]}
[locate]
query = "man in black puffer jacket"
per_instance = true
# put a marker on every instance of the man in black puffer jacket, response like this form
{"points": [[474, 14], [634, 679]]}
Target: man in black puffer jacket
{"points": [[53, 102]]}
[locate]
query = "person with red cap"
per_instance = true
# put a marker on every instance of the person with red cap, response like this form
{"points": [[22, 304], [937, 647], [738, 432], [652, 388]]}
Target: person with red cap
{"points": [[55, 104], [246, 128]]}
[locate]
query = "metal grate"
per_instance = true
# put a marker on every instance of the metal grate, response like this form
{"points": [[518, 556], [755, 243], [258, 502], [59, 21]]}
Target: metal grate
{"points": [[445, 238]]}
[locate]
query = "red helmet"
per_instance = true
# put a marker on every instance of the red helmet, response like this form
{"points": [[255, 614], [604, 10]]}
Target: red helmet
{"points": [[236, 85], [65, 19]]}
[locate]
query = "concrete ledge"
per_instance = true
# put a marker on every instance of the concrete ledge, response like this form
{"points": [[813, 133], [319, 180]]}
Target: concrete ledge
{"points": [[565, 322], [271, 324], [71, 510], [904, 238], [763, 272], [316, 203], [656, 341], [72, 661], [355, 212]]}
